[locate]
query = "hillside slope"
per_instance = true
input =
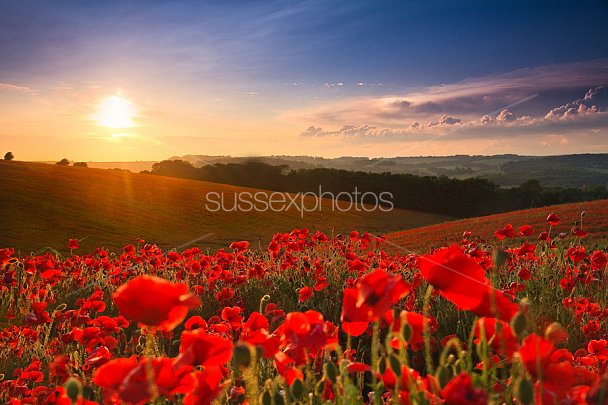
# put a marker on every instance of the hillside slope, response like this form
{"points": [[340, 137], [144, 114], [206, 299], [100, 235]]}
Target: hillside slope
{"points": [[595, 222], [579, 170], [44, 205]]}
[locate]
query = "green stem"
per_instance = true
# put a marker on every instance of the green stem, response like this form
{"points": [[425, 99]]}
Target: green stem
{"points": [[426, 333], [149, 354], [374, 356]]}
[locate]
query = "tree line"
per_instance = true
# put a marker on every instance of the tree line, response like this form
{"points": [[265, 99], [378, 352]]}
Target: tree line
{"points": [[441, 195]]}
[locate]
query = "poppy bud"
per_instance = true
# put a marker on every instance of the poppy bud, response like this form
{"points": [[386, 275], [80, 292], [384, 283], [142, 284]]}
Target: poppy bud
{"points": [[382, 365], [241, 355], [500, 257], [278, 398], [297, 388], [320, 387], [73, 389], [525, 391], [519, 323], [395, 365], [332, 372], [443, 375], [556, 333], [266, 398], [407, 332]]}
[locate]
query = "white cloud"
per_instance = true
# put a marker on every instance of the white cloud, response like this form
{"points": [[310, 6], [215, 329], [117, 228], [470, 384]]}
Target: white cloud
{"points": [[532, 92], [594, 102], [351, 131], [505, 116], [16, 87], [445, 120]]}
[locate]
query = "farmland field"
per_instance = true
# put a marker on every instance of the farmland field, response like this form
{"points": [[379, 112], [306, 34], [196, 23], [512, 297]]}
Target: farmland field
{"points": [[43, 205], [304, 202], [314, 319], [594, 220]]}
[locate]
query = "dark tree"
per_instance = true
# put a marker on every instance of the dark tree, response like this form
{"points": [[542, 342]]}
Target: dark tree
{"points": [[9, 156], [63, 162], [81, 164]]}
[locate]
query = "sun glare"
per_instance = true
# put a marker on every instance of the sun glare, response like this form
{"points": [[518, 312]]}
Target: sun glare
{"points": [[115, 112]]}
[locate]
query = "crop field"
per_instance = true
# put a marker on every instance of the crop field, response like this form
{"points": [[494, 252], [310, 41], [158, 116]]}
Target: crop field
{"points": [[303, 202], [312, 319], [594, 221], [43, 205]]}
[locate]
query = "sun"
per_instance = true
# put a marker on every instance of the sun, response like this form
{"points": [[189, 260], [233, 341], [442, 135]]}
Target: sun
{"points": [[115, 112]]}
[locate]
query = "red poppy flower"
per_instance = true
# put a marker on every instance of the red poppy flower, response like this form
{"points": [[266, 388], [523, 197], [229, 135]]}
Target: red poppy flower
{"points": [[506, 232], [207, 387], [379, 291], [321, 284], [500, 334], [201, 349], [256, 322], [239, 246], [536, 351], [415, 324], [577, 253], [356, 367], [556, 333], [576, 231], [134, 387], [460, 391], [173, 256], [73, 244], [111, 375], [195, 322], [355, 320], [154, 301], [462, 281], [233, 316], [524, 273], [285, 366], [307, 330], [562, 355], [304, 294], [598, 260], [599, 348], [525, 230], [525, 249], [98, 357], [553, 219]]}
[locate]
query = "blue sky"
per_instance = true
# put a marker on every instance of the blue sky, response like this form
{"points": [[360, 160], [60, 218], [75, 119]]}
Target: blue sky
{"points": [[318, 77]]}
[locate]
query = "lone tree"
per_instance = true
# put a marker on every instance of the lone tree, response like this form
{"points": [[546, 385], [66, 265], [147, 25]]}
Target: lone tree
{"points": [[9, 156], [81, 164], [63, 162]]}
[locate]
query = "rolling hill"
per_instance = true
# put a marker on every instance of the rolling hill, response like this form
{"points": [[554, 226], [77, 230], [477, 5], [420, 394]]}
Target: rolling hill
{"points": [[45, 205], [568, 171], [595, 223]]}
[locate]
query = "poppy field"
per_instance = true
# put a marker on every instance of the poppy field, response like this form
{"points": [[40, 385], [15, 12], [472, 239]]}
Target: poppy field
{"points": [[516, 316], [596, 225]]}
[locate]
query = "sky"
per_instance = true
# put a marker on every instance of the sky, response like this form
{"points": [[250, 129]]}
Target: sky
{"points": [[147, 80]]}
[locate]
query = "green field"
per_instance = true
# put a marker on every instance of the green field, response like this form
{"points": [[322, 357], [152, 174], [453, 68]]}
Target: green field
{"points": [[44, 205]]}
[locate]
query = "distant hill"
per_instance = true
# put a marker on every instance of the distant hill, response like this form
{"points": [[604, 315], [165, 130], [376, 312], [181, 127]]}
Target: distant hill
{"points": [[505, 170], [45, 205], [135, 167], [595, 222]]}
